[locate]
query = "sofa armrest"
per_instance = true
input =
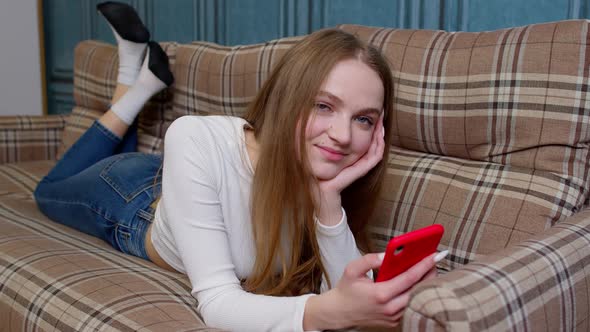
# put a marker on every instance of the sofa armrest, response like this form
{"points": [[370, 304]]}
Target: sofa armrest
{"points": [[540, 284], [29, 138]]}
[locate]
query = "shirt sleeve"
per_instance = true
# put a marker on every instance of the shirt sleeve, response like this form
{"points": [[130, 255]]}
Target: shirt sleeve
{"points": [[190, 199], [337, 247]]}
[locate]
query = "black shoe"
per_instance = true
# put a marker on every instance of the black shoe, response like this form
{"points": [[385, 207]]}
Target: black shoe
{"points": [[125, 21], [158, 63]]}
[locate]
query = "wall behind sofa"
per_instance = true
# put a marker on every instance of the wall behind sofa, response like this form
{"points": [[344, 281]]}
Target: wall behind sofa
{"points": [[20, 61], [232, 22]]}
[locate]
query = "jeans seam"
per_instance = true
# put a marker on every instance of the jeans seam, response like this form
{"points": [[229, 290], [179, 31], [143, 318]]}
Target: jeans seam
{"points": [[108, 179], [119, 242], [80, 203], [117, 189]]}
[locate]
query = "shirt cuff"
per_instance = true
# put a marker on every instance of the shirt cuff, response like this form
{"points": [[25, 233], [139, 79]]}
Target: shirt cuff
{"points": [[334, 230]]}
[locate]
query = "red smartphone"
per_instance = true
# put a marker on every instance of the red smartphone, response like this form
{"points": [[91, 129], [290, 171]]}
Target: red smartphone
{"points": [[404, 251]]}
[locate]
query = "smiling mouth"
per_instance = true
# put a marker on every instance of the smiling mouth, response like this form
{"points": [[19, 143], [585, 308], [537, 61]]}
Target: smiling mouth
{"points": [[330, 154]]}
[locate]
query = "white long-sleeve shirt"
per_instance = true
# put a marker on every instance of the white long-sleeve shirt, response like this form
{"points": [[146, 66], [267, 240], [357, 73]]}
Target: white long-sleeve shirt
{"points": [[202, 227]]}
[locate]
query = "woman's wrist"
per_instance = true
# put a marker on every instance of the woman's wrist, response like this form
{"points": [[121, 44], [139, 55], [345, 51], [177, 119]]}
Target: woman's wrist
{"points": [[320, 312], [330, 209], [311, 314]]}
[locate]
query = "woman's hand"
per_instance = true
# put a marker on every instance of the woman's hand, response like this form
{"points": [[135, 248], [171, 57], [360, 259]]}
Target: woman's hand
{"points": [[327, 193], [358, 301]]}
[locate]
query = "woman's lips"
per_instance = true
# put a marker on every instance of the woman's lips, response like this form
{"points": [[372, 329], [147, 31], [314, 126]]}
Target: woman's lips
{"points": [[330, 154]]}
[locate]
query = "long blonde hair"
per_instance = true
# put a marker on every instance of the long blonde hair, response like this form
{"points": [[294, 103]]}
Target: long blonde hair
{"points": [[281, 198]]}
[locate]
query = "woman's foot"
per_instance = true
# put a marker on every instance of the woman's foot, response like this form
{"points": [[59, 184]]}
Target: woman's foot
{"points": [[158, 63], [155, 75], [131, 35], [124, 21]]}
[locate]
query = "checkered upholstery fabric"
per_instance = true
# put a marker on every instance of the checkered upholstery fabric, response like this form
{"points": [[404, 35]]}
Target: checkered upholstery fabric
{"points": [[540, 284], [483, 206], [25, 138], [53, 277], [77, 123], [214, 79], [513, 97], [20, 179]]}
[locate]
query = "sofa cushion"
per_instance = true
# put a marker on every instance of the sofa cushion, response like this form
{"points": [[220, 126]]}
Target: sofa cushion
{"points": [[82, 118], [513, 96], [25, 138], [19, 180], [483, 206], [539, 285], [54, 277], [215, 79]]}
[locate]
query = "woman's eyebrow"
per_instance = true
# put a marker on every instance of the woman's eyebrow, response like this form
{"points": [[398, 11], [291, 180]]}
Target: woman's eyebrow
{"points": [[330, 96], [337, 100], [372, 111]]}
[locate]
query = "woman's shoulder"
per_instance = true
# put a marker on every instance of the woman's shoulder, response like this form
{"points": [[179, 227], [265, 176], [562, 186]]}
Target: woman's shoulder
{"points": [[208, 140], [191, 123], [206, 133]]}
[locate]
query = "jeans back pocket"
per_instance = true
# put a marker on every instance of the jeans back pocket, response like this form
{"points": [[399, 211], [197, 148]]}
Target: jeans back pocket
{"points": [[130, 174]]}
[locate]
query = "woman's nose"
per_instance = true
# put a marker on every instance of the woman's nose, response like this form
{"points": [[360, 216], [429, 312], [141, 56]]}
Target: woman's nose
{"points": [[340, 131]]}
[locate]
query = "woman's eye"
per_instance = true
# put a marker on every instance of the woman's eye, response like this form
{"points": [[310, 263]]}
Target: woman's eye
{"points": [[322, 107], [365, 120]]}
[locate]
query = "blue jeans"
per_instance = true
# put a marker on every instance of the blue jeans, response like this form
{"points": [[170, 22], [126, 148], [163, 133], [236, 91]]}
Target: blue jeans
{"points": [[102, 187]]}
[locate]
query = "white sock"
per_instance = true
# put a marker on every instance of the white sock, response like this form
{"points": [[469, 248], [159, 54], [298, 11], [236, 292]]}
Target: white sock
{"points": [[130, 56], [146, 85]]}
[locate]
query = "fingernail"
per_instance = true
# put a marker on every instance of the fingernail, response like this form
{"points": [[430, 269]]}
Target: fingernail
{"points": [[383, 131], [381, 255], [440, 256]]}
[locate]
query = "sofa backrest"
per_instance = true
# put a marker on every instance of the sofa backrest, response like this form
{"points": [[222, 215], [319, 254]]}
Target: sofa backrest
{"points": [[513, 96]]}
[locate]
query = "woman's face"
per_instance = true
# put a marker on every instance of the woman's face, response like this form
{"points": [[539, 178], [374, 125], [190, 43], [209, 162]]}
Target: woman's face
{"points": [[345, 114]]}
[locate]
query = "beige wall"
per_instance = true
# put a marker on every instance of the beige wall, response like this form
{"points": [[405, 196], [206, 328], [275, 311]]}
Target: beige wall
{"points": [[20, 68]]}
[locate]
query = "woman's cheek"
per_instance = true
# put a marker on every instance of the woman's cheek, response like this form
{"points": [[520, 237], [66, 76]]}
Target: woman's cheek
{"points": [[364, 141], [360, 146], [316, 126]]}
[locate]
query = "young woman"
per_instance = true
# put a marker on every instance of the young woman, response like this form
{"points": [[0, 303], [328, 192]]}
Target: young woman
{"points": [[266, 215]]}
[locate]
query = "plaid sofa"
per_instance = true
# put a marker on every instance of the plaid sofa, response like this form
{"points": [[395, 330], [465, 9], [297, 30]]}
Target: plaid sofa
{"points": [[492, 140]]}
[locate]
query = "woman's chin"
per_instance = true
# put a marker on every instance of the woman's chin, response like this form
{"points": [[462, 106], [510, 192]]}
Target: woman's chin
{"points": [[325, 174]]}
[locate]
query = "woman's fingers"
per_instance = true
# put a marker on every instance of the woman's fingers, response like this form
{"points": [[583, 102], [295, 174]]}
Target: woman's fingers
{"points": [[378, 141], [360, 266], [384, 322], [391, 321], [431, 274], [397, 304], [397, 317], [375, 152]]}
